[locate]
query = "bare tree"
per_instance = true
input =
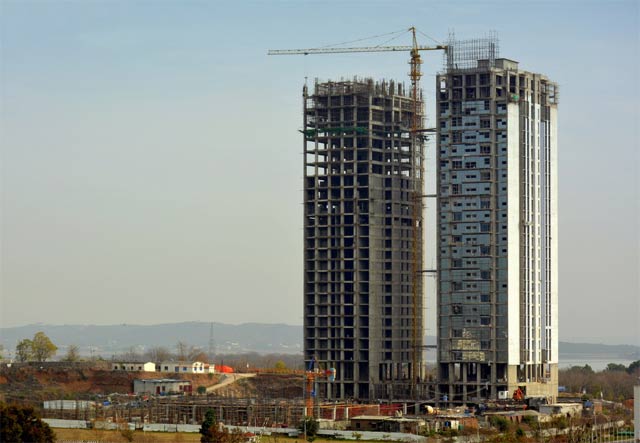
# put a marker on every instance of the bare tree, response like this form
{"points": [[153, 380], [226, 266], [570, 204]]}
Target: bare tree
{"points": [[198, 354], [187, 352], [73, 354], [158, 354], [131, 354], [182, 351]]}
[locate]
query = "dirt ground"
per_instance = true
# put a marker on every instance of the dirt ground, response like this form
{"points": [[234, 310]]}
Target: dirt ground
{"points": [[38, 384], [98, 435], [95, 435]]}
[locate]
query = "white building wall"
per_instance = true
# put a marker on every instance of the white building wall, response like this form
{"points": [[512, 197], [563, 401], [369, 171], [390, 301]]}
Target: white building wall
{"points": [[513, 232], [134, 366], [553, 156], [536, 296]]}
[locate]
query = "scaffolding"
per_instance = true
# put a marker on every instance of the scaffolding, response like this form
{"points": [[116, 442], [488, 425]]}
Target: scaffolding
{"points": [[472, 53]]}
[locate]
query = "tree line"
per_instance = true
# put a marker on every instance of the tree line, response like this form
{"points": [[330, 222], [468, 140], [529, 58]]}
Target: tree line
{"points": [[40, 348], [615, 383]]}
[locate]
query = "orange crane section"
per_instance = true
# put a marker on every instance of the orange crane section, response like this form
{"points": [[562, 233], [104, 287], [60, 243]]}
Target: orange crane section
{"points": [[310, 378]]}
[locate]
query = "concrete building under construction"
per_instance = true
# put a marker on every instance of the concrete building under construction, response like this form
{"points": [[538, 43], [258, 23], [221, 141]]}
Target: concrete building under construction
{"points": [[363, 167], [497, 227]]}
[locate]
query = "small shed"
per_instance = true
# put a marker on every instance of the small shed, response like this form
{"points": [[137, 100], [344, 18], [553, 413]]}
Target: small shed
{"points": [[161, 386], [566, 409]]}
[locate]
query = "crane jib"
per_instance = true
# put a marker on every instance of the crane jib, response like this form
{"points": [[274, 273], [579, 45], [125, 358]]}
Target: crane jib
{"points": [[347, 50]]}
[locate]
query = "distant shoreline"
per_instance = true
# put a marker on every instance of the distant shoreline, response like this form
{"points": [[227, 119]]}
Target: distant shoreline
{"points": [[261, 338]]}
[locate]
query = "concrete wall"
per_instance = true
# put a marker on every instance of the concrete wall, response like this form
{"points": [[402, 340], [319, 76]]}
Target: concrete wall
{"points": [[65, 424]]}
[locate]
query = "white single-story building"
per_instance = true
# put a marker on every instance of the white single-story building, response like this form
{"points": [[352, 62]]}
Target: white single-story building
{"points": [[182, 367], [566, 409], [161, 386], [134, 366]]}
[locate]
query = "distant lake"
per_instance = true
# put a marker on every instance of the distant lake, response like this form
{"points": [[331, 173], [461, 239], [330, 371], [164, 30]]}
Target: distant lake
{"points": [[597, 362]]}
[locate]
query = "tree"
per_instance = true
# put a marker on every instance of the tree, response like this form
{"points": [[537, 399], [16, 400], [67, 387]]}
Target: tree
{"points": [[634, 368], [43, 348], [309, 426], [616, 367], [73, 354], [207, 424], [501, 423], [40, 348], [24, 350], [186, 352], [131, 354], [199, 356], [212, 431], [158, 354], [21, 424], [280, 365]]}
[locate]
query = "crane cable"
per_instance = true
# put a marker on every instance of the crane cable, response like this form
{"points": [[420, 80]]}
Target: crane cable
{"points": [[392, 38], [430, 38], [362, 39]]}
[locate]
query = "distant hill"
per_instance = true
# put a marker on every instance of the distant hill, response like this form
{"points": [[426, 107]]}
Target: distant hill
{"points": [[629, 352], [247, 337], [111, 339]]}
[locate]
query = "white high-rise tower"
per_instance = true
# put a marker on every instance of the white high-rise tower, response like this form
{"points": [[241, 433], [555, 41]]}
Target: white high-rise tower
{"points": [[497, 227]]}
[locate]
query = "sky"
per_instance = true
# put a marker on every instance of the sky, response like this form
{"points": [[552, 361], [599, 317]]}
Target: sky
{"points": [[151, 166]]}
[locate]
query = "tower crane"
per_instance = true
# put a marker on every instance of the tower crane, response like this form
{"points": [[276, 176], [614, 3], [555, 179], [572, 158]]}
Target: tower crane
{"points": [[310, 376], [415, 74]]}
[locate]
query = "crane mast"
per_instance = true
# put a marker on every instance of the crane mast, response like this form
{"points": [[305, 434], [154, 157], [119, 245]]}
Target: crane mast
{"points": [[417, 163], [418, 171]]}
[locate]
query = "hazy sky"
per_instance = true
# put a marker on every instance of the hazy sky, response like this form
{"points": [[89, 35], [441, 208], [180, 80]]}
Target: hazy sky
{"points": [[152, 168]]}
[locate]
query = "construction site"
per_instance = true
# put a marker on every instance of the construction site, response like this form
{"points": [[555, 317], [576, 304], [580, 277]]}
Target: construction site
{"points": [[364, 299], [364, 197], [94, 399]]}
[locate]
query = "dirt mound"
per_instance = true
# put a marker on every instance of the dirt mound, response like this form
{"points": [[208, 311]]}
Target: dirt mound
{"points": [[265, 386], [39, 383]]}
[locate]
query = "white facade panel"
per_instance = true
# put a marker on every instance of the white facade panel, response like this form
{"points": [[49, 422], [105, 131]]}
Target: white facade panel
{"points": [[553, 158], [513, 233]]}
